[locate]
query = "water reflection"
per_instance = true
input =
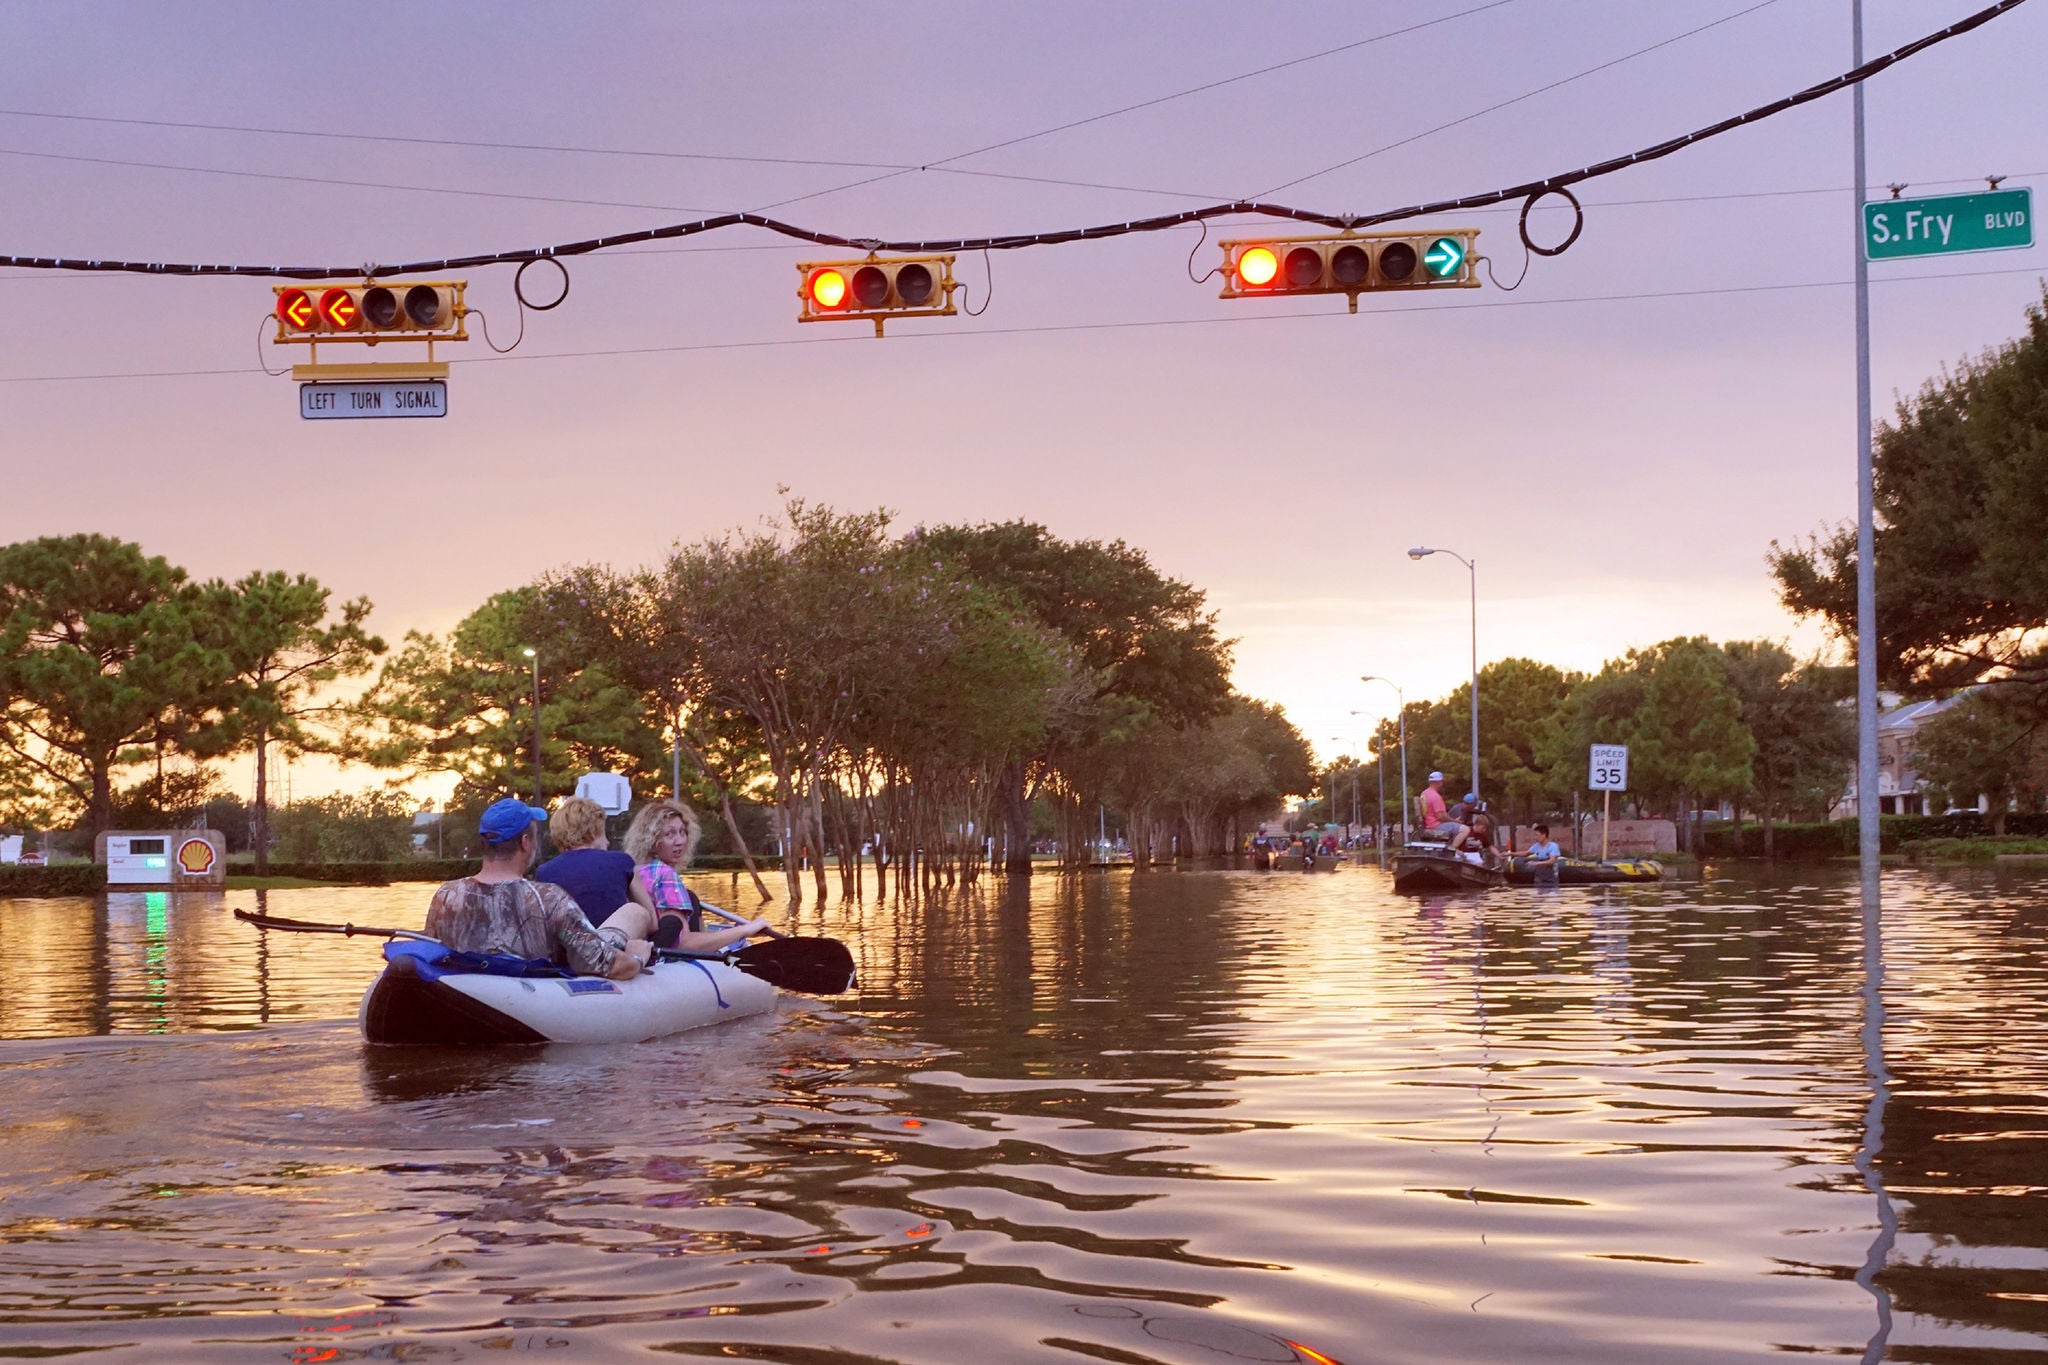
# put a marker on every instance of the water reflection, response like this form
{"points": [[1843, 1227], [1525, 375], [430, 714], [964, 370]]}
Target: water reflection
{"points": [[1174, 1118]]}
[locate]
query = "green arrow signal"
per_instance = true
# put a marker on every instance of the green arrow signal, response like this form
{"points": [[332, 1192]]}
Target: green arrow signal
{"points": [[1446, 255]]}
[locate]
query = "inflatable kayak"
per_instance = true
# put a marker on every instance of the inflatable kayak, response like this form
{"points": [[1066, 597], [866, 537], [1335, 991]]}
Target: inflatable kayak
{"points": [[426, 994]]}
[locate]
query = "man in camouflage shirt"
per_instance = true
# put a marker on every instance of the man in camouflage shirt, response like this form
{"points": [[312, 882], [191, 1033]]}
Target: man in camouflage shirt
{"points": [[499, 911]]}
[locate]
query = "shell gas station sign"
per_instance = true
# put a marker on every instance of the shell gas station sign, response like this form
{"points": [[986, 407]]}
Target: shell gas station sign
{"points": [[173, 859]]}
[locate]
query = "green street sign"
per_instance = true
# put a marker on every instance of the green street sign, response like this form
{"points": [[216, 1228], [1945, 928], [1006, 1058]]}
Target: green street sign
{"points": [[2001, 220]]}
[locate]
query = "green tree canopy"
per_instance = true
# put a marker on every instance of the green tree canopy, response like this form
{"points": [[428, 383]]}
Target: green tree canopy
{"points": [[1987, 744], [101, 648], [286, 651], [1962, 495]]}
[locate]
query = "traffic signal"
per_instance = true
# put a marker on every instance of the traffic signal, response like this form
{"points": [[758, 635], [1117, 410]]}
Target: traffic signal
{"points": [[1350, 263], [370, 312], [876, 288]]}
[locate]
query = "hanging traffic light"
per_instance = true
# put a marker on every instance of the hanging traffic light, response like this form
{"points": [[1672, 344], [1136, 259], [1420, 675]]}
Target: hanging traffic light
{"points": [[876, 288], [1350, 264], [427, 310]]}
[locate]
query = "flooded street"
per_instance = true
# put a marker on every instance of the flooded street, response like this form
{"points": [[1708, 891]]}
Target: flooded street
{"points": [[1184, 1117]]}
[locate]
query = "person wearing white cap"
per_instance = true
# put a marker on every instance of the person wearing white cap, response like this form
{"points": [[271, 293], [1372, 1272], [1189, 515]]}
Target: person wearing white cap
{"points": [[1436, 817]]}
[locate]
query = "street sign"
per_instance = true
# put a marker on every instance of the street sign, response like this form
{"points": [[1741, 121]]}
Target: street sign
{"points": [[1609, 768], [2000, 220], [384, 398]]}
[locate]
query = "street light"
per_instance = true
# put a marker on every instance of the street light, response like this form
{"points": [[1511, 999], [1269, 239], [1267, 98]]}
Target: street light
{"points": [[1400, 701], [534, 655], [1472, 566]]}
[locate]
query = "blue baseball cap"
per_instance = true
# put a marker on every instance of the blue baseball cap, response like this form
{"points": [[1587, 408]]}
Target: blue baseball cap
{"points": [[1471, 796], [506, 820]]}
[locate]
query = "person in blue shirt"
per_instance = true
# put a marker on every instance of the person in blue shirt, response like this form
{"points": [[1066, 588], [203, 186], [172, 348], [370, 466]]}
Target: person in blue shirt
{"points": [[596, 877], [1543, 857]]}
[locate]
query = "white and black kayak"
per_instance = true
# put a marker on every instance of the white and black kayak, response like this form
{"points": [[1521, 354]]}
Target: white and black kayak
{"points": [[433, 994], [428, 995]]}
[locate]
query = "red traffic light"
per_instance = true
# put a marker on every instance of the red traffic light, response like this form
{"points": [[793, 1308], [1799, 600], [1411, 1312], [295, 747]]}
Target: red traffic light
{"points": [[827, 289], [1258, 266], [295, 309], [338, 309]]}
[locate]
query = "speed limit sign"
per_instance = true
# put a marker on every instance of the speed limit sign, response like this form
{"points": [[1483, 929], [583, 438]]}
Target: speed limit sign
{"points": [[1609, 768]]}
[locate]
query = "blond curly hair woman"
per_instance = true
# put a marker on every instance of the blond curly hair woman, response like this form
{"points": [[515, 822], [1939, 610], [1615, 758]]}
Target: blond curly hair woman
{"points": [[661, 841]]}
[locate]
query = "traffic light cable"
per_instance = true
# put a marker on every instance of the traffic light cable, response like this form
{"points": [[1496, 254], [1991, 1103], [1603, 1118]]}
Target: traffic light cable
{"points": [[988, 288], [1016, 241]]}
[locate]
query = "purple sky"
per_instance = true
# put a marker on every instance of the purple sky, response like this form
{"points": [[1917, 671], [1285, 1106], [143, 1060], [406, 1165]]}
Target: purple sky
{"points": [[1617, 442]]}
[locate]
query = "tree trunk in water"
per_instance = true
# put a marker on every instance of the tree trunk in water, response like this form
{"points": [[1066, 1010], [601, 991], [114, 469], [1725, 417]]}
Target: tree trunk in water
{"points": [[1016, 808], [739, 841], [259, 810]]}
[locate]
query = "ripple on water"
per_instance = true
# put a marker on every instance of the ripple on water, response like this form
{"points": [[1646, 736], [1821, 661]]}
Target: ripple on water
{"points": [[1176, 1118]]}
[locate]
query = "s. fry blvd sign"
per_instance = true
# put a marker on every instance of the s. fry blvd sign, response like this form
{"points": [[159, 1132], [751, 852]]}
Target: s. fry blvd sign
{"points": [[1608, 772], [2001, 220], [385, 398]]}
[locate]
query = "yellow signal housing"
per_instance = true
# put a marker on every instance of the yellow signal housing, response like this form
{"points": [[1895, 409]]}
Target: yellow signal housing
{"points": [[876, 288], [371, 312], [1350, 263]]}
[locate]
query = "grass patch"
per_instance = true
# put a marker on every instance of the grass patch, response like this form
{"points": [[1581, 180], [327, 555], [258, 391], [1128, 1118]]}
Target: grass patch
{"points": [[1968, 850]]}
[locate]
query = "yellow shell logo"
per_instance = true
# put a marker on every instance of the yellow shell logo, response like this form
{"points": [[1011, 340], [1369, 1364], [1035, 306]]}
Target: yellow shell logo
{"points": [[195, 856]]}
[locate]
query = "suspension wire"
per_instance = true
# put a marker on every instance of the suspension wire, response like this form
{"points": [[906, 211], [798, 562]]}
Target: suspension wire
{"points": [[1017, 241]]}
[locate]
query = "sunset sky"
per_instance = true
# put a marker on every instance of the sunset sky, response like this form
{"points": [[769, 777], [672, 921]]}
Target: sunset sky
{"points": [[1617, 441]]}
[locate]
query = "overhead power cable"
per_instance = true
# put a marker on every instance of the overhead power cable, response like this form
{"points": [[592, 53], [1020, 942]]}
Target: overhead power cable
{"points": [[1530, 190]]}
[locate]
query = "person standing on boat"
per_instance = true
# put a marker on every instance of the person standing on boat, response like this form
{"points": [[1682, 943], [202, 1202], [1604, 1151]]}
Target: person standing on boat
{"points": [[1436, 819], [662, 840], [599, 879], [499, 911], [1543, 857]]}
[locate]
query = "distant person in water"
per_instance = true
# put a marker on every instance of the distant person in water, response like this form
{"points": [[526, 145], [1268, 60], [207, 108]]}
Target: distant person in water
{"points": [[1437, 819], [1543, 857], [499, 911], [660, 842]]}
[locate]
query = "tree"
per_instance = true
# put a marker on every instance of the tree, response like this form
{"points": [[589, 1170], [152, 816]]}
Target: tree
{"points": [[1804, 736], [1689, 741], [1962, 494], [1987, 745], [285, 651], [101, 649], [1138, 636], [1520, 700], [464, 705]]}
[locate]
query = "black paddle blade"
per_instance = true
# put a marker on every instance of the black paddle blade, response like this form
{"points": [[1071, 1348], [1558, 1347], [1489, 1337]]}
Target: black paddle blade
{"points": [[808, 966]]}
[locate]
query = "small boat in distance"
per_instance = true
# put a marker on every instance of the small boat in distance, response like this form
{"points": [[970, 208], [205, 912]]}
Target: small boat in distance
{"points": [[1422, 868], [1588, 871]]}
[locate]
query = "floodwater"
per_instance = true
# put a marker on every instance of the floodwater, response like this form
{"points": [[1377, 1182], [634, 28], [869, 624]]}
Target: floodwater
{"points": [[1199, 1118]]}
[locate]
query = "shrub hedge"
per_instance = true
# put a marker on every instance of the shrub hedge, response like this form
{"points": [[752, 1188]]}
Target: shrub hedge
{"points": [[1837, 838], [64, 879]]}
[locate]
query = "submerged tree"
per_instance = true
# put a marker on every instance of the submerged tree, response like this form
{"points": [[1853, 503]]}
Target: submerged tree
{"points": [[286, 650]]}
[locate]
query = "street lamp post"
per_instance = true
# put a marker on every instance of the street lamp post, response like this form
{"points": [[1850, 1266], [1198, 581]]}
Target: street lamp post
{"points": [[1472, 567], [534, 655], [1400, 701]]}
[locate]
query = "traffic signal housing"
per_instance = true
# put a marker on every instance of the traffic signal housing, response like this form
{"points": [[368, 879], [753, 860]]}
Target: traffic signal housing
{"points": [[876, 288], [372, 311], [1350, 263]]}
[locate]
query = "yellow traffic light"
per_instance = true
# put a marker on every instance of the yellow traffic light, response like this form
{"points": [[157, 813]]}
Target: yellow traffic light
{"points": [[370, 312], [1350, 263], [876, 288]]}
